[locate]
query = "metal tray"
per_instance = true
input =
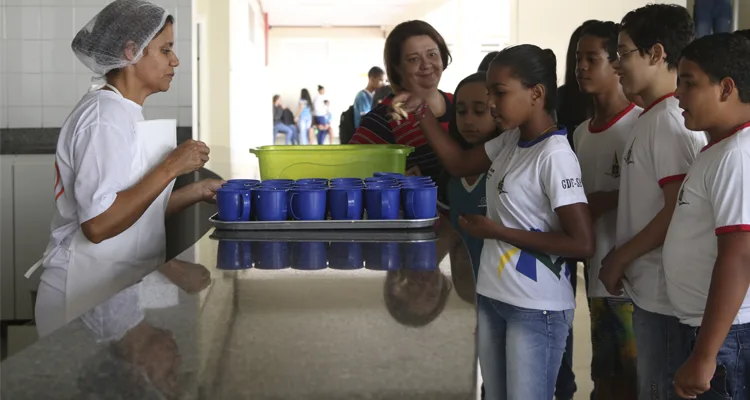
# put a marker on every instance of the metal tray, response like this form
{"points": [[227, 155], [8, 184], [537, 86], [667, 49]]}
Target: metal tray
{"points": [[346, 236], [321, 225]]}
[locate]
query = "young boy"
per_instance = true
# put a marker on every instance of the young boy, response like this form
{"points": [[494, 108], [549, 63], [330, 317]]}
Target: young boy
{"points": [[654, 162], [599, 143], [707, 249]]}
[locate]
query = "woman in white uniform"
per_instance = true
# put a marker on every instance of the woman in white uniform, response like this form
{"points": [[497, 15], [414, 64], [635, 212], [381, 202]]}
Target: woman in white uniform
{"points": [[115, 171]]}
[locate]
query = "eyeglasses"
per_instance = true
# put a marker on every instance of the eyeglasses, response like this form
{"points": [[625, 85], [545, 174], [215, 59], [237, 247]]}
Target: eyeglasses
{"points": [[620, 55]]}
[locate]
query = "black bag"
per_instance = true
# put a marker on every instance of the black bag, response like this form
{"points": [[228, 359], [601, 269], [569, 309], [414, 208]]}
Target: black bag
{"points": [[287, 117], [346, 125]]}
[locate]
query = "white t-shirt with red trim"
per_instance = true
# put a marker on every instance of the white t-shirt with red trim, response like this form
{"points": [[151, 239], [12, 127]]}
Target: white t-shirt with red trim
{"points": [[599, 151], [714, 200], [660, 151]]}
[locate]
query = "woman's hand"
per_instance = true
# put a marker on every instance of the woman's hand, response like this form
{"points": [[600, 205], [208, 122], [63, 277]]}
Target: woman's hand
{"points": [[205, 190], [187, 157], [404, 104], [478, 226]]}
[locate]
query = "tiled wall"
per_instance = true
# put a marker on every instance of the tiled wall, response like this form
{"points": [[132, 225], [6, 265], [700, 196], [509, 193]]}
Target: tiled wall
{"points": [[40, 78]]}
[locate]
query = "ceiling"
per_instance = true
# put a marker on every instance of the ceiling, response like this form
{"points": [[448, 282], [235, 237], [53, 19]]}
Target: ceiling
{"points": [[345, 12]]}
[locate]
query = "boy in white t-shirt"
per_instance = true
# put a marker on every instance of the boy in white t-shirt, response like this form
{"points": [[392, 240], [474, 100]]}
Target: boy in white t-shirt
{"points": [[653, 164], [707, 249], [599, 142]]}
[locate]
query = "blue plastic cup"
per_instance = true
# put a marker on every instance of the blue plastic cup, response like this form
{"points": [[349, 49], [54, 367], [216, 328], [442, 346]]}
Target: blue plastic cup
{"points": [[307, 203], [308, 181], [387, 174], [233, 203], [380, 179], [234, 255], [419, 202], [420, 256], [271, 255], [409, 179], [277, 183], [243, 183], [382, 202], [345, 203], [382, 256], [346, 181], [309, 256], [346, 256], [270, 203]]}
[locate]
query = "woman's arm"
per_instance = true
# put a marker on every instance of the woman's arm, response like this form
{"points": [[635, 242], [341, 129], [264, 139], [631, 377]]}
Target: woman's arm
{"points": [[130, 204], [457, 161]]}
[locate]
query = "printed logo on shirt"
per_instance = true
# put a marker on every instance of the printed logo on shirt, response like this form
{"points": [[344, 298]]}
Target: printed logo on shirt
{"points": [[629, 155], [490, 172], [615, 168], [571, 183], [500, 185], [483, 202]]}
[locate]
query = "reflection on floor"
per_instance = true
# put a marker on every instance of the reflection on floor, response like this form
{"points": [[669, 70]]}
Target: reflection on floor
{"points": [[582, 343]]}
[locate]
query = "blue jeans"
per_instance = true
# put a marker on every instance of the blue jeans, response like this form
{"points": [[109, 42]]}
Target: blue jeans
{"points": [[520, 350], [289, 130], [660, 346], [566, 386], [712, 16], [304, 129], [732, 374]]}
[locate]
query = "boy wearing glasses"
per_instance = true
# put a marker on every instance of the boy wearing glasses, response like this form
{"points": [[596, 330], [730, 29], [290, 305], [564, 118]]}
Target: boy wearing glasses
{"points": [[652, 166]]}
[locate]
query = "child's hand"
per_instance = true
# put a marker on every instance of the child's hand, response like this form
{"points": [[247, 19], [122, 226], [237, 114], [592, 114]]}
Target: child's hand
{"points": [[478, 226], [694, 377], [413, 171], [612, 273]]}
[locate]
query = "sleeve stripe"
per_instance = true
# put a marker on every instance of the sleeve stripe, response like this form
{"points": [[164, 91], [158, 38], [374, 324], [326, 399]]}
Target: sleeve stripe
{"points": [[732, 228], [669, 179], [364, 135]]}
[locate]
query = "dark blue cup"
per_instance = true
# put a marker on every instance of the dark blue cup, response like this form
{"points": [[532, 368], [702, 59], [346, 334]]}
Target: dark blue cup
{"points": [[378, 179], [382, 256], [308, 181], [420, 255], [345, 203], [309, 256], [277, 183], [271, 255], [419, 202], [382, 202], [245, 183], [234, 255], [270, 203], [406, 179], [307, 203], [345, 256], [233, 203], [388, 174], [310, 185], [346, 181]]}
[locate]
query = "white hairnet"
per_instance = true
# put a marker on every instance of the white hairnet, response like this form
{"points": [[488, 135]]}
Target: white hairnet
{"points": [[101, 44]]}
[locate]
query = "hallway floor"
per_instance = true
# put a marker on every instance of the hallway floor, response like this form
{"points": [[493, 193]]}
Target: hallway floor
{"points": [[582, 343]]}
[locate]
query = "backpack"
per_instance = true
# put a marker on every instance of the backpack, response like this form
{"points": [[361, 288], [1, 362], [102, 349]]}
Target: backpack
{"points": [[346, 125], [287, 117]]}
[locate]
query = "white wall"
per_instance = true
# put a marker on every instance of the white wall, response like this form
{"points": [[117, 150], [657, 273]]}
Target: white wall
{"points": [[40, 78], [337, 58]]}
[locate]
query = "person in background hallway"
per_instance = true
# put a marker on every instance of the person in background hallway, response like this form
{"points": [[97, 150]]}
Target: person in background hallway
{"points": [[304, 116], [536, 216], [654, 163], [573, 107], [599, 142], [115, 171], [712, 16], [707, 248], [319, 107], [278, 122], [381, 94], [327, 128], [363, 100]]}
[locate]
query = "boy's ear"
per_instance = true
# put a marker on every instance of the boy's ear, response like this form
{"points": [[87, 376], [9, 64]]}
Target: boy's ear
{"points": [[728, 88], [657, 54]]}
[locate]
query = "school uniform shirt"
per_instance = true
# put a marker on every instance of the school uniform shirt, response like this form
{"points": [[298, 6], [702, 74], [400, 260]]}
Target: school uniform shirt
{"points": [[95, 152], [659, 151], [468, 199], [599, 150], [714, 199], [377, 128], [526, 183]]}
